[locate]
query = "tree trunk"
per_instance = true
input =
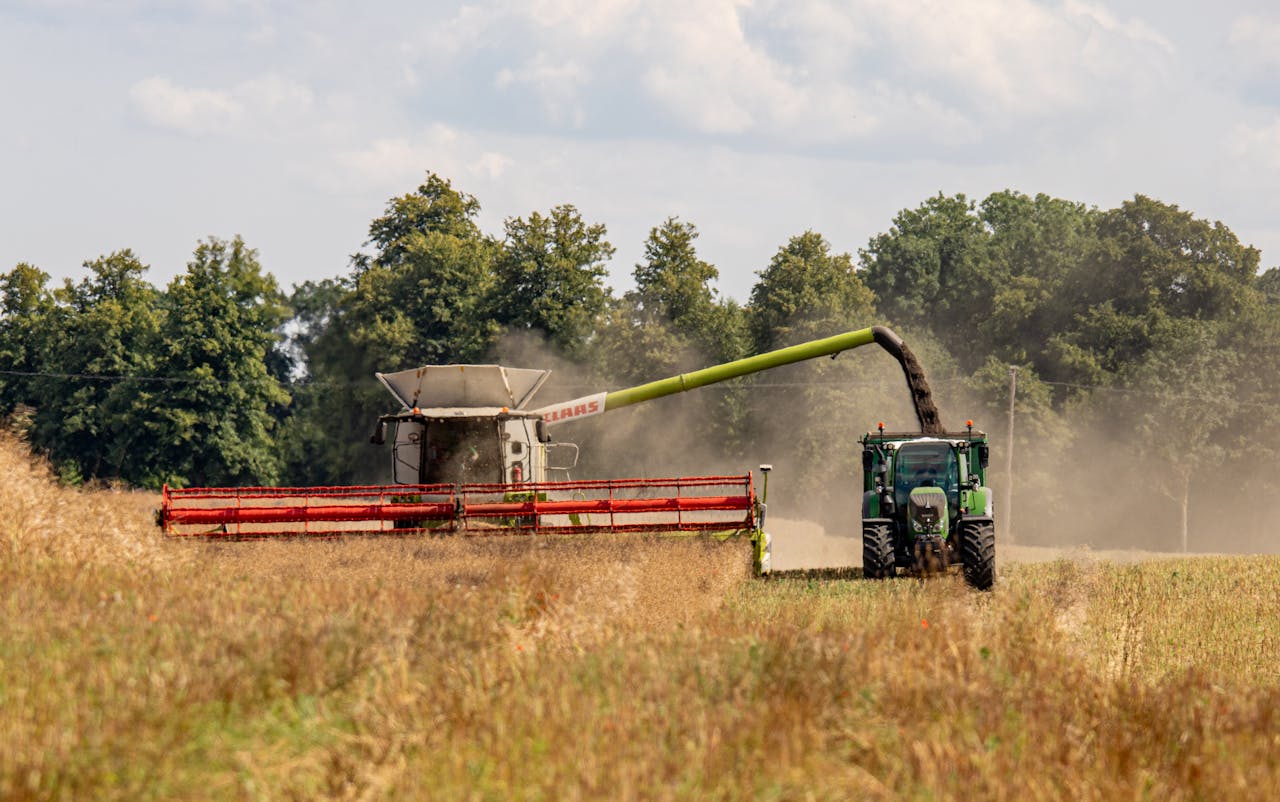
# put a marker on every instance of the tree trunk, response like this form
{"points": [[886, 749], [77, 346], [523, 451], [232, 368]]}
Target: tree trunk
{"points": [[1186, 503]]}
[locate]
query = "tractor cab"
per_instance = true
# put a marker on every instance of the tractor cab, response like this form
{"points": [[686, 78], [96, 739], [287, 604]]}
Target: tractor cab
{"points": [[927, 464]]}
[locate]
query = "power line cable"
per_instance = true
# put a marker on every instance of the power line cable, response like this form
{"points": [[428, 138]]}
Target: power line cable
{"points": [[122, 377]]}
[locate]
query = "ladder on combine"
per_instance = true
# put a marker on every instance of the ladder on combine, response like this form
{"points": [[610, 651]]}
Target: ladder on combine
{"points": [[724, 504]]}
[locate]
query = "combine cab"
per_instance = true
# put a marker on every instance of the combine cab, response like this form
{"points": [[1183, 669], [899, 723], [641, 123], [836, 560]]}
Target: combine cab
{"points": [[467, 424], [926, 506]]}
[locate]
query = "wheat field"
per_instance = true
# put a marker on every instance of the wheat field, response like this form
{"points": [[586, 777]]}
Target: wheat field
{"points": [[607, 668]]}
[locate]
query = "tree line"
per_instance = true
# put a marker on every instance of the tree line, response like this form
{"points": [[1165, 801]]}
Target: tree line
{"points": [[1145, 341]]}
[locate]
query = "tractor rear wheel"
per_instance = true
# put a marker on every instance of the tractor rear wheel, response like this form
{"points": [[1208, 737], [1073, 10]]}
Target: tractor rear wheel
{"points": [[877, 551], [978, 554]]}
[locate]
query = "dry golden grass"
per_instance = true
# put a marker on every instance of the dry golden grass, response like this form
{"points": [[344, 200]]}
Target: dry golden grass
{"points": [[618, 668]]}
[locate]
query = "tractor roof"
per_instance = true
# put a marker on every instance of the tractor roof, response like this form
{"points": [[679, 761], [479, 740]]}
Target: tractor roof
{"points": [[898, 438], [461, 389]]}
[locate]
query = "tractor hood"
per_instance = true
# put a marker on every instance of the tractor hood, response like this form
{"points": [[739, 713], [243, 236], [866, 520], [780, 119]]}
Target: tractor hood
{"points": [[464, 386], [927, 506]]}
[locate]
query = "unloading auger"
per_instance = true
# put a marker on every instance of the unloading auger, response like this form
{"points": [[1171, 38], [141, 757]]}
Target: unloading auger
{"points": [[598, 403], [469, 457]]}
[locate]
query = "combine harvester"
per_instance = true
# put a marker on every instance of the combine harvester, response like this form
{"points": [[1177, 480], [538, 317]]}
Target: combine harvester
{"points": [[470, 457]]}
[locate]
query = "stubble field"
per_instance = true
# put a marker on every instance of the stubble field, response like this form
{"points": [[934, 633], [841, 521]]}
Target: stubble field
{"points": [[610, 668]]}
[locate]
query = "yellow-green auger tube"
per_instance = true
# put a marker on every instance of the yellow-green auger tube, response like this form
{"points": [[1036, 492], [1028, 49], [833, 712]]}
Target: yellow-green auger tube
{"points": [[599, 403]]}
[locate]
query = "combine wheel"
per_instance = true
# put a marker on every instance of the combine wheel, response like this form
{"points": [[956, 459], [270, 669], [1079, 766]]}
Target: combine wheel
{"points": [[877, 551], [978, 554]]}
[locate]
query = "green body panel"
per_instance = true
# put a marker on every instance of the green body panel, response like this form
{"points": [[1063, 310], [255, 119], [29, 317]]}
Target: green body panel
{"points": [[740, 367], [973, 500], [761, 551]]}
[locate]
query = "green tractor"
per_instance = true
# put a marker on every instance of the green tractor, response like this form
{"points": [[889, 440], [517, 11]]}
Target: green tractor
{"points": [[926, 507]]}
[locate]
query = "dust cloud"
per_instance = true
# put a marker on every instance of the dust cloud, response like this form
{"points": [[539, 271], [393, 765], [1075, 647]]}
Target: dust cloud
{"points": [[1078, 486]]}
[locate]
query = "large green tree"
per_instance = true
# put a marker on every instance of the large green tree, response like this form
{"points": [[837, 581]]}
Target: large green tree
{"points": [[1151, 266], [1017, 294], [922, 270], [807, 290], [421, 297], [673, 319], [27, 310], [97, 386], [213, 423], [550, 277], [1001, 276]]}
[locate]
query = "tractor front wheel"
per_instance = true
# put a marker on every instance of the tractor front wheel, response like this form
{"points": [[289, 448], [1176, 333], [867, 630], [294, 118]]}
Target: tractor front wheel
{"points": [[978, 554], [877, 551]]}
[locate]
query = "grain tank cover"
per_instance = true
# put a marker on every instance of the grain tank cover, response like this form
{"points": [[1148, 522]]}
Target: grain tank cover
{"points": [[452, 386]]}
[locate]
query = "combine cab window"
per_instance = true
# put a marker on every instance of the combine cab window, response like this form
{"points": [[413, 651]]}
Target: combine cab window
{"points": [[462, 451], [927, 464], [406, 454]]}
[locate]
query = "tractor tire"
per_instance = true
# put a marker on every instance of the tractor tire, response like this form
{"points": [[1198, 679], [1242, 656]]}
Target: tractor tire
{"points": [[978, 554], [877, 552]]}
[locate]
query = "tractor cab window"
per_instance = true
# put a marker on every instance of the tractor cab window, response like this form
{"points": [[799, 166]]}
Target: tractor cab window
{"points": [[926, 465]]}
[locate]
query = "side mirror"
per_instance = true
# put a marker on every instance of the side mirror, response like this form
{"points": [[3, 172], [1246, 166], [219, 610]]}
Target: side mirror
{"points": [[540, 428], [379, 434], [867, 460], [984, 454]]}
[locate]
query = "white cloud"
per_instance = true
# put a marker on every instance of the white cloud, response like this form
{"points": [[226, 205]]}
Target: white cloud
{"points": [[1252, 30], [383, 161], [401, 161], [1256, 38], [996, 53], [832, 33], [258, 105], [543, 74], [557, 84], [1013, 60], [274, 95], [445, 39], [490, 165], [1133, 29], [583, 19], [709, 74], [821, 72], [167, 105], [262, 35], [705, 67], [1259, 144]]}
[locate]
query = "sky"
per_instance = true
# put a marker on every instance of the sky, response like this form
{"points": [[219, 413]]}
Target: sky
{"points": [[151, 125]]}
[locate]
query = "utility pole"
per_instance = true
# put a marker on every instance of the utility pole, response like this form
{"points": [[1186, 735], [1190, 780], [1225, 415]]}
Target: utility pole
{"points": [[1008, 450]]}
